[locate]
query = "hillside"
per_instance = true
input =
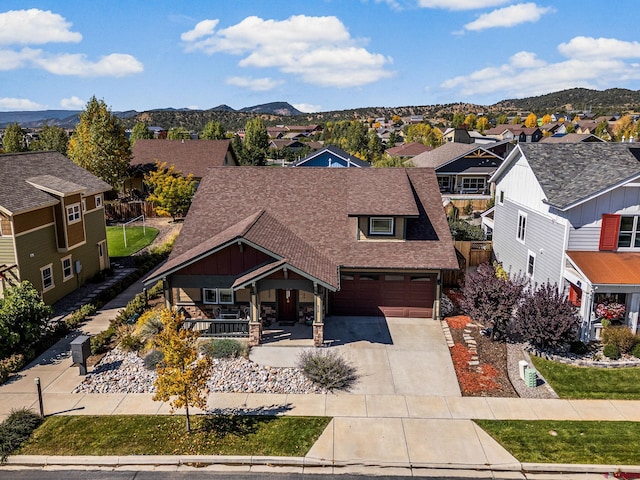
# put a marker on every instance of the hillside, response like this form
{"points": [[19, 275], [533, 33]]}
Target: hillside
{"points": [[599, 102]]}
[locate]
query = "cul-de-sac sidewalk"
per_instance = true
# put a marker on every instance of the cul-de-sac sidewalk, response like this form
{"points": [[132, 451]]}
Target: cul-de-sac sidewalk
{"points": [[397, 429]]}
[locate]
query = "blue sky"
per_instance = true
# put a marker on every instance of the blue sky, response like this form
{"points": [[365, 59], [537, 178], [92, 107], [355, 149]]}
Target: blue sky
{"points": [[318, 55]]}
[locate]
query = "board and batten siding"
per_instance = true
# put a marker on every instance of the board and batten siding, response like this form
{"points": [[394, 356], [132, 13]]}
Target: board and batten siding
{"points": [[520, 186], [586, 218], [544, 236]]}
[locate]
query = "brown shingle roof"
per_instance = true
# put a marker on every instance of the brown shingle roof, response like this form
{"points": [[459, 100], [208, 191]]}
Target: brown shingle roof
{"points": [[443, 154], [18, 195], [302, 214], [408, 150], [189, 156]]}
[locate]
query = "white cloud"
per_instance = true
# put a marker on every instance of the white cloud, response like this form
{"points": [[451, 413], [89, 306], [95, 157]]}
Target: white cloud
{"points": [[72, 103], [307, 107], [461, 4], [254, 84], [525, 74], [35, 27], [589, 47], [319, 50], [10, 104], [509, 16], [113, 65], [12, 60], [202, 29]]}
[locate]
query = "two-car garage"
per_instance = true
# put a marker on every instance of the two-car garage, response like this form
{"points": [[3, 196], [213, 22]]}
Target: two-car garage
{"points": [[388, 294]]}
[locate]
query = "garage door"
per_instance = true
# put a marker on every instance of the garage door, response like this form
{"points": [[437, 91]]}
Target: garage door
{"points": [[392, 295]]}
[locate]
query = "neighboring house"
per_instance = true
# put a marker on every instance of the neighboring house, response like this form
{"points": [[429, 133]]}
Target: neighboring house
{"points": [[297, 242], [189, 157], [570, 214], [571, 138], [52, 225], [515, 133], [330, 156], [463, 168], [408, 150]]}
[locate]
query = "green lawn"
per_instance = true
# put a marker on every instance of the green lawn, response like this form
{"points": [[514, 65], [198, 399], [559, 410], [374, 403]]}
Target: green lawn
{"points": [[541, 441], [590, 382], [137, 239], [166, 435]]}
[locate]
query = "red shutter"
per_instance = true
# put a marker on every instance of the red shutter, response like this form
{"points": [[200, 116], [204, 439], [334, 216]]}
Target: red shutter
{"points": [[609, 232]]}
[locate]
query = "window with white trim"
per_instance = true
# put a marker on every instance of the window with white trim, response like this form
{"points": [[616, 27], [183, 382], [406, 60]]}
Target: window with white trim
{"points": [[98, 200], [531, 263], [46, 273], [501, 197], [473, 183], [73, 213], [381, 226], [222, 296], [629, 233], [67, 268], [522, 226]]}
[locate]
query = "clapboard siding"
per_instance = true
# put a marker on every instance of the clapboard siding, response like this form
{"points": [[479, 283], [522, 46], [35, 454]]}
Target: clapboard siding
{"points": [[544, 237]]}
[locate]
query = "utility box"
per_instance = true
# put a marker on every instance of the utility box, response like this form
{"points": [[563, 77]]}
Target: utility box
{"points": [[522, 366], [531, 377], [80, 352]]}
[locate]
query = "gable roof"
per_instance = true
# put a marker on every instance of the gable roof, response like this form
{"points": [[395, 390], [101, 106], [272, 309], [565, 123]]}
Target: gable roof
{"points": [[408, 149], [449, 152], [304, 216], [188, 156], [571, 138], [572, 173], [333, 150], [29, 179]]}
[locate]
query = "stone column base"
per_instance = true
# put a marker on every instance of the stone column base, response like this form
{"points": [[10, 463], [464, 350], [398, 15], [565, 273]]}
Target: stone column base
{"points": [[318, 334], [255, 333]]}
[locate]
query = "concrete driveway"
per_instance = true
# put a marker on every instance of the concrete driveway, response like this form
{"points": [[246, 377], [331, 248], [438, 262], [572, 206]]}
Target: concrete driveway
{"points": [[393, 356]]}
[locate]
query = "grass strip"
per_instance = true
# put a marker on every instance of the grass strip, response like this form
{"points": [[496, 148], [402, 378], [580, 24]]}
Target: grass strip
{"points": [[137, 239], [585, 442], [167, 435], [569, 381]]}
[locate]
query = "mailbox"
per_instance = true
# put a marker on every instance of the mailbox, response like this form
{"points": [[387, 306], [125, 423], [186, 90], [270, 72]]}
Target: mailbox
{"points": [[80, 351]]}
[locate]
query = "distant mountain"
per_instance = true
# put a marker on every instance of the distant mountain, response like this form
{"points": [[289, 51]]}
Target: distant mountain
{"points": [[613, 100], [274, 108]]}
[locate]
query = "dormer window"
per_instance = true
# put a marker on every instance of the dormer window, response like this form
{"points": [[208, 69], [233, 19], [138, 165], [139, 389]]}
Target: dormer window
{"points": [[73, 213], [381, 226]]}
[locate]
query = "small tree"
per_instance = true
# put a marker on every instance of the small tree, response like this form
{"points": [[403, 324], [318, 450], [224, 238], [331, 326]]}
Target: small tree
{"points": [[170, 191], [182, 376], [491, 300], [545, 318], [23, 318], [140, 131], [178, 133], [213, 131], [256, 142], [52, 137], [13, 140], [531, 121]]}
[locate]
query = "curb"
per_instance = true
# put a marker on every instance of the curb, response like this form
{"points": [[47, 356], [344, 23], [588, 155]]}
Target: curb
{"points": [[135, 462]]}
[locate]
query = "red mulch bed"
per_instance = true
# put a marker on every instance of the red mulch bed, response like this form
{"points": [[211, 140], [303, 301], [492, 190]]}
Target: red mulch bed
{"points": [[490, 378]]}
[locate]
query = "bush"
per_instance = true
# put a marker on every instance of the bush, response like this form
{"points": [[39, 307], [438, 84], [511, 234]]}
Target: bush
{"points": [[76, 317], [635, 351], [546, 319], [101, 341], [137, 305], [578, 348], [464, 231], [223, 348], [327, 369], [611, 351], [446, 306], [129, 341], [153, 359], [16, 429], [10, 365], [149, 324], [621, 337]]}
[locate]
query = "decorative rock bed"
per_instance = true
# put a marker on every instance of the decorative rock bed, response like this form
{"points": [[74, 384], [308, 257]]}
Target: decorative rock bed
{"points": [[124, 372]]}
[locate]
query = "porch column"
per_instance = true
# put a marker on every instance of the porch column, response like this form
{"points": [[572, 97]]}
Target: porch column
{"points": [[436, 303], [255, 324], [166, 292], [318, 316]]}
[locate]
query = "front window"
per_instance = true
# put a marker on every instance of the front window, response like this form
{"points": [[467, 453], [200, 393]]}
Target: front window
{"points": [[73, 213], [381, 226], [473, 183], [217, 295], [629, 234], [225, 295], [98, 201], [210, 295], [522, 226], [67, 270], [47, 277], [531, 264], [444, 183]]}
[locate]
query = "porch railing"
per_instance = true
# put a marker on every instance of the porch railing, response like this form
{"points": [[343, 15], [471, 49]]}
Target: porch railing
{"points": [[219, 327]]}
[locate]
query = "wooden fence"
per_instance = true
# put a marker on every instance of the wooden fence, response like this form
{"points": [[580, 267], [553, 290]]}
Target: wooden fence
{"points": [[118, 211], [475, 253]]}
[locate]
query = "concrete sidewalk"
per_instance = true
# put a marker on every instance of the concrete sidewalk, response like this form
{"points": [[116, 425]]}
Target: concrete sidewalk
{"points": [[370, 432]]}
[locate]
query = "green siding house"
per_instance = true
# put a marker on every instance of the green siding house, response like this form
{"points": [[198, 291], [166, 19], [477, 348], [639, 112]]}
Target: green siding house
{"points": [[52, 224]]}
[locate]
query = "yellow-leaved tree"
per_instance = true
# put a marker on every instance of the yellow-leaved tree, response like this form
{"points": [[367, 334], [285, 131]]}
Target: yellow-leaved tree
{"points": [[182, 376], [531, 121], [170, 191]]}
